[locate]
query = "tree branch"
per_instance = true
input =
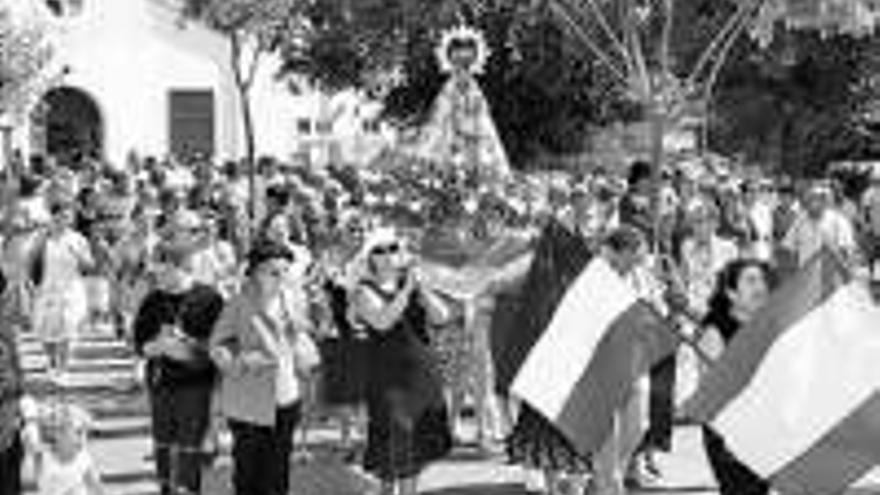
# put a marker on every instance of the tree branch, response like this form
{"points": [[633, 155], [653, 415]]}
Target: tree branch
{"points": [[666, 41], [634, 41], [732, 28], [603, 57], [618, 44], [254, 65], [244, 73], [721, 58], [235, 53]]}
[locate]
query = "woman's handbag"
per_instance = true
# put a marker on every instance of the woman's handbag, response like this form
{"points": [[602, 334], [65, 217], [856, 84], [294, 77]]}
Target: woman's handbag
{"points": [[306, 356], [37, 261]]}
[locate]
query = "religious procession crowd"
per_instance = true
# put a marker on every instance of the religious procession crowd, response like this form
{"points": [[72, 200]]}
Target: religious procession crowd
{"points": [[326, 302]]}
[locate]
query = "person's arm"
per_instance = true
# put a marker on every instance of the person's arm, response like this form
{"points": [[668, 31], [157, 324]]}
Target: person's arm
{"points": [[82, 250], [378, 314], [223, 342], [437, 310], [147, 324], [710, 342], [94, 485], [208, 305]]}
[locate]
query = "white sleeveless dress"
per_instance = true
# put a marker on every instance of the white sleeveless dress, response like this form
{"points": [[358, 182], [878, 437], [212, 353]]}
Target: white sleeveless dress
{"points": [[65, 478], [61, 307]]}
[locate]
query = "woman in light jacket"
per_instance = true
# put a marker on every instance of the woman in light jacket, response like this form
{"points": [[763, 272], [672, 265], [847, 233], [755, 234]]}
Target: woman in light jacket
{"points": [[255, 345]]}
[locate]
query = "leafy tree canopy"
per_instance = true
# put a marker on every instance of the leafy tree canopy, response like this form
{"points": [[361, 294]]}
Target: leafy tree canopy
{"points": [[544, 91], [24, 53]]}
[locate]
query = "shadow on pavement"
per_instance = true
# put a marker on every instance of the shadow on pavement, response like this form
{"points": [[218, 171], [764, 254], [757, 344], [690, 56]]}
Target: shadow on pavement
{"points": [[677, 489], [506, 489]]}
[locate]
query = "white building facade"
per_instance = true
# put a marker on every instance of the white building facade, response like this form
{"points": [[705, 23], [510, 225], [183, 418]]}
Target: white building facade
{"points": [[131, 76]]}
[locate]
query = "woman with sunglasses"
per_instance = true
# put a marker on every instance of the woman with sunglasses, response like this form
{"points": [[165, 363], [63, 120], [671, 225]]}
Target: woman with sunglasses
{"points": [[408, 423], [258, 345]]}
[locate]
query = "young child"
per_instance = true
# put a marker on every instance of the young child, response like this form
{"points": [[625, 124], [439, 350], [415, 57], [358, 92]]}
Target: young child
{"points": [[58, 442]]}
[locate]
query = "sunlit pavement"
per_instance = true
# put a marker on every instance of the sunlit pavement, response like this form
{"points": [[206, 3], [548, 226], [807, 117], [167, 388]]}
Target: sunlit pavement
{"points": [[103, 379]]}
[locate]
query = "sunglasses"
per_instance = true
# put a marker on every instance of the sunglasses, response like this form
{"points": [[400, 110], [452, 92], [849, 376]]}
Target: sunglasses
{"points": [[389, 249]]}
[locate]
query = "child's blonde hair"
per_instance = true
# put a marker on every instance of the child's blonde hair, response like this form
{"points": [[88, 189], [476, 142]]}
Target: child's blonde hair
{"points": [[61, 418]]}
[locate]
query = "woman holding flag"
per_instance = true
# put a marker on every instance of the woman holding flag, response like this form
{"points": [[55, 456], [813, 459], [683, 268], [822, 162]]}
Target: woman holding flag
{"points": [[742, 289]]}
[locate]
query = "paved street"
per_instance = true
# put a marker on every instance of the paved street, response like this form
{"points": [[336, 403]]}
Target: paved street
{"points": [[103, 380]]}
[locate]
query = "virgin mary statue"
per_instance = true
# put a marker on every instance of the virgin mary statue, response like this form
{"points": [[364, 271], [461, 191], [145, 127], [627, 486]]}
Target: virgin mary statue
{"points": [[460, 130]]}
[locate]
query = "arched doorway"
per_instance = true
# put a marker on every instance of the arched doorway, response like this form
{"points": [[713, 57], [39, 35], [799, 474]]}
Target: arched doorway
{"points": [[69, 125]]}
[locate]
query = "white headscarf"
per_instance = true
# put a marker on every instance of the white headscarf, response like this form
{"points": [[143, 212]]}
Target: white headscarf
{"points": [[381, 236]]}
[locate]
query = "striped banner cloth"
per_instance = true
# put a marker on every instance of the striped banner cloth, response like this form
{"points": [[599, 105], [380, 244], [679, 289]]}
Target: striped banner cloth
{"points": [[797, 393], [578, 361]]}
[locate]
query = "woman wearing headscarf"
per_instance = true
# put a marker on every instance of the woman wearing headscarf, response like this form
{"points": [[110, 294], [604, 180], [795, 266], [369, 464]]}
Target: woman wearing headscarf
{"points": [[408, 423], [260, 348], [171, 331]]}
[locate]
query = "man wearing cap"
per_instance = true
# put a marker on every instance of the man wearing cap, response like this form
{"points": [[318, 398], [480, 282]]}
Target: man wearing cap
{"points": [[819, 226]]}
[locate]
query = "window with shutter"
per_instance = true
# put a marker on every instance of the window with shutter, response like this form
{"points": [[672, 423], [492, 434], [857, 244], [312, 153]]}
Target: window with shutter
{"points": [[191, 126]]}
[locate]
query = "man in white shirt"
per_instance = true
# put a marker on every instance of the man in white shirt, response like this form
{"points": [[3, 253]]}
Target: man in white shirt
{"points": [[871, 221], [820, 226]]}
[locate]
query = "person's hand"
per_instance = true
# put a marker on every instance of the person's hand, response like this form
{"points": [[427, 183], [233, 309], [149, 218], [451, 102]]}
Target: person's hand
{"points": [[255, 360], [223, 358], [676, 300], [154, 349]]}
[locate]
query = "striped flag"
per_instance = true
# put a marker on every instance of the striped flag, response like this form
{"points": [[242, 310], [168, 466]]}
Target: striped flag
{"points": [[519, 318], [584, 344], [797, 393]]}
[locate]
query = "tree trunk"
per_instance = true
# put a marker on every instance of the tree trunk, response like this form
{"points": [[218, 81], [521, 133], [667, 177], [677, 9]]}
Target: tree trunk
{"points": [[657, 119], [243, 87], [250, 149]]}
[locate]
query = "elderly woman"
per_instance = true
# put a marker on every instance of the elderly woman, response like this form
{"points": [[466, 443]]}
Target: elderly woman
{"points": [[703, 255], [407, 420], [261, 348], [171, 330]]}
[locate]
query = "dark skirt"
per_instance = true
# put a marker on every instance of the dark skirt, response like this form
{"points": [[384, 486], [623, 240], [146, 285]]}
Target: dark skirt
{"points": [[536, 443], [11, 460], [734, 477], [398, 449], [344, 371], [662, 406], [408, 424]]}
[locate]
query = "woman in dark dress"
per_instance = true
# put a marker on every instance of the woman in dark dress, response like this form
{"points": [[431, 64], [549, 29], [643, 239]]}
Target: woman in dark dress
{"points": [[742, 288], [408, 423], [171, 331]]}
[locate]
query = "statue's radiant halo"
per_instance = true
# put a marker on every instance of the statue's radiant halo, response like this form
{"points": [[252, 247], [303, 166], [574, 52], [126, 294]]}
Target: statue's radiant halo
{"points": [[462, 39]]}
